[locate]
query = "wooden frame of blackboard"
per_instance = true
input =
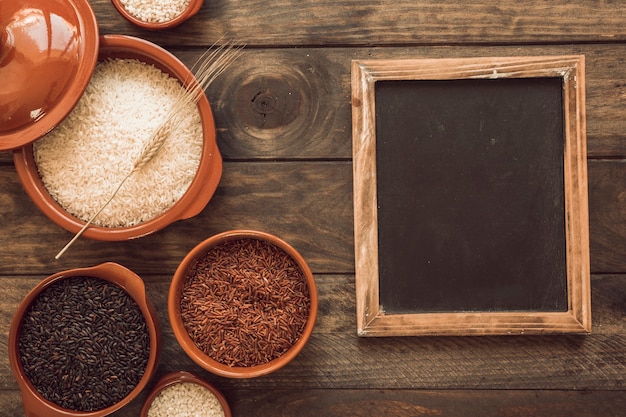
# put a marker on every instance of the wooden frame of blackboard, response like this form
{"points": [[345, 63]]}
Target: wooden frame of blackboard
{"points": [[372, 319]]}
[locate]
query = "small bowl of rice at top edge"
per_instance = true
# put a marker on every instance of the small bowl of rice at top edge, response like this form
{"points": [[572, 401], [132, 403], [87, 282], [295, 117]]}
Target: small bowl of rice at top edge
{"points": [[184, 394], [242, 304], [72, 172], [157, 14]]}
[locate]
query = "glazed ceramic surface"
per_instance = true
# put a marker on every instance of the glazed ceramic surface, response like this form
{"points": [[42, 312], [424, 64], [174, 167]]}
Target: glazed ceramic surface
{"points": [[48, 51]]}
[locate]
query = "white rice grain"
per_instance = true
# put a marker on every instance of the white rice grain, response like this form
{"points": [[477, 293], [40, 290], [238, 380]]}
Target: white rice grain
{"points": [[186, 399], [85, 158], [155, 11]]}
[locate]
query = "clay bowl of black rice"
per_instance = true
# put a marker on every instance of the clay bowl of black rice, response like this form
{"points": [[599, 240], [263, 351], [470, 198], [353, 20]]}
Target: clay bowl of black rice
{"points": [[84, 342], [242, 303]]}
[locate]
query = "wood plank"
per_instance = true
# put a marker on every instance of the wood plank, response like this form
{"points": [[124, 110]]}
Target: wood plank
{"points": [[317, 124], [353, 22], [284, 204], [397, 403], [607, 214], [295, 103], [403, 403], [276, 198], [336, 358]]}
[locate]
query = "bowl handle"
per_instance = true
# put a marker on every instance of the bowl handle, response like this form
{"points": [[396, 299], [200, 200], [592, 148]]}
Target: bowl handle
{"points": [[206, 190], [131, 282], [34, 406], [196, 8]]}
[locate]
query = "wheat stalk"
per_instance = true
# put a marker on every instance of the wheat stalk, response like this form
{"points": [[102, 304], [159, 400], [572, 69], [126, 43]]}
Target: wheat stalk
{"points": [[207, 68]]}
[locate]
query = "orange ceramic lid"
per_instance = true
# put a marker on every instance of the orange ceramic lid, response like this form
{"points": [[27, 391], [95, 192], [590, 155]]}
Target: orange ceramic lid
{"points": [[48, 51]]}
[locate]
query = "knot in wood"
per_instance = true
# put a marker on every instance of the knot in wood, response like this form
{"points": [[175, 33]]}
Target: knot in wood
{"points": [[264, 102], [272, 102]]}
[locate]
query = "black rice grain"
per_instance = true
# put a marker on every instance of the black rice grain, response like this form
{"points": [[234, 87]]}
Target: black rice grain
{"points": [[84, 343]]}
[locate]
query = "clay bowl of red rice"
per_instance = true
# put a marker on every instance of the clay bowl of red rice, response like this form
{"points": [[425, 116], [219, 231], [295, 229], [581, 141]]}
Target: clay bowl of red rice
{"points": [[184, 394], [157, 14], [71, 172], [242, 304], [84, 342]]}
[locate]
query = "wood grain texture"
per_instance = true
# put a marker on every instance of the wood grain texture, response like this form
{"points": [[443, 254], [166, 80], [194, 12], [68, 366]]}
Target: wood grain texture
{"points": [[317, 125], [321, 117], [349, 374], [352, 22], [607, 211], [284, 127], [403, 403], [278, 195], [284, 204], [398, 403], [336, 358]]}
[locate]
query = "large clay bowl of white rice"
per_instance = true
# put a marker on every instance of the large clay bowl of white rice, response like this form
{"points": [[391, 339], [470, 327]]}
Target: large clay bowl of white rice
{"points": [[71, 172]]}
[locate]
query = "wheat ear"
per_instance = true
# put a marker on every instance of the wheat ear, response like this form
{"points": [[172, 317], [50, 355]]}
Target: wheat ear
{"points": [[207, 68], [149, 151]]}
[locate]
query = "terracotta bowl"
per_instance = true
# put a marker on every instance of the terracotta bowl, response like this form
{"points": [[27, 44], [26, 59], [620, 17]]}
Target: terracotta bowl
{"points": [[33, 401], [48, 51], [172, 379], [190, 204], [192, 8], [242, 369]]}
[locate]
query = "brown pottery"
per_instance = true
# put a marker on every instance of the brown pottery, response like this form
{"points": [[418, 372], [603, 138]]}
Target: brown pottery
{"points": [[35, 405], [190, 204], [192, 9], [48, 51], [183, 377], [188, 345]]}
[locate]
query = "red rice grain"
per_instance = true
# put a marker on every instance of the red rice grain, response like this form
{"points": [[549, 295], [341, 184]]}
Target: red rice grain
{"points": [[245, 303]]}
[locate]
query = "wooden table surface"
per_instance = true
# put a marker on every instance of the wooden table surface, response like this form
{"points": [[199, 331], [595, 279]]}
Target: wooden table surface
{"points": [[283, 115]]}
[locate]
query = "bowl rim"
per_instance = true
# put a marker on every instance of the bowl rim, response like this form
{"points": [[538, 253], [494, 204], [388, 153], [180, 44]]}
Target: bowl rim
{"points": [[189, 346], [192, 8], [201, 188], [178, 377], [116, 274]]}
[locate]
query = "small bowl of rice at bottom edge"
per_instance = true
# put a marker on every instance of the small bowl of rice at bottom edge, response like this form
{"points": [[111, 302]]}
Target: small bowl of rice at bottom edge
{"points": [[182, 394], [242, 303], [71, 172]]}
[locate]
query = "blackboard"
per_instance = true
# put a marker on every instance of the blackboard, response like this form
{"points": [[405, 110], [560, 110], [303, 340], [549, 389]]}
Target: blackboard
{"points": [[474, 178], [462, 195]]}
